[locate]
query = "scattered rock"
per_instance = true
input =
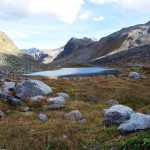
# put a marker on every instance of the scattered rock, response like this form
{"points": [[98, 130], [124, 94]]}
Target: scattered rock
{"points": [[37, 98], [112, 102], [31, 88], [112, 76], [116, 115], [2, 114], [135, 75], [57, 100], [92, 98], [42, 117], [9, 85], [74, 115], [138, 121], [26, 109], [2, 78], [13, 101], [64, 95], [4, 93], [54, 107]]}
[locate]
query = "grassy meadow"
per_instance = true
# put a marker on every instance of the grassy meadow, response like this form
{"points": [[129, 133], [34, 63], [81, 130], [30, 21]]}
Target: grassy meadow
{"points": [[24, 131]]}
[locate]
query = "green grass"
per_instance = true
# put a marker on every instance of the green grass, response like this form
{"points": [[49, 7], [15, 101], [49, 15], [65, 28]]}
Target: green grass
{"points": [[22, 131]]}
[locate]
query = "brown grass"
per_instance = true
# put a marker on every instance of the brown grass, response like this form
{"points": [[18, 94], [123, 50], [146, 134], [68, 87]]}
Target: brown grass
{"points": [[23, 131]]}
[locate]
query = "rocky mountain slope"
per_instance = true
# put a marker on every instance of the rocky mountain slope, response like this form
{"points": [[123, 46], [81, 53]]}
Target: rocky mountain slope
{"points": [[73, 45], [44, 55], [14, 60], [126, 39]]}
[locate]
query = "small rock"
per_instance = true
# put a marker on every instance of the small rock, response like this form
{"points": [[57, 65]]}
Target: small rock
{"points": [[116, 115], [4, 93], [2, 78], [64, 95], [74, 115], [37, 98], [43, 117], [9, 85], [112, 102], [2, 114], [31, 88], [57, 100], [112, 76], [26, 109], [13, 101], [135, 75], [92, 98], [54, 106], [138, 121]]}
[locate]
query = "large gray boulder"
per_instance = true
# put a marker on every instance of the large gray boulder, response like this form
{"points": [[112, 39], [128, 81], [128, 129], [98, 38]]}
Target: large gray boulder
{"points": [[116, 115], [9, 85], [31, 88], [56, 100], [137, 122], [74, 115]]}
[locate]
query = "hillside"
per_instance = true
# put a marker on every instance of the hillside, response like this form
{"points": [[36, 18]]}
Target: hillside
{"points": [[125, 39], [13, 60]]}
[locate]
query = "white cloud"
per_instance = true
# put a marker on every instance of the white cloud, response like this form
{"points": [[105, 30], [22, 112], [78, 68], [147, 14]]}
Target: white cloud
{"points": [[85, 15], [100, 18], [140, 5], [64, 10]]}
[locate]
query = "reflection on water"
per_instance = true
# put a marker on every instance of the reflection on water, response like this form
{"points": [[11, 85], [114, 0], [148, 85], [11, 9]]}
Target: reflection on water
{"points": [[70, 72]]}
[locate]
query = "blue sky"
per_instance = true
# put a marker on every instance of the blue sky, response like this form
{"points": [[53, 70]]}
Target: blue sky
{"points": [[51, 23]]}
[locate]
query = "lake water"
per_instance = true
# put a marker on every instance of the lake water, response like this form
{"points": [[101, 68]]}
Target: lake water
{"points": [[63, 72]]}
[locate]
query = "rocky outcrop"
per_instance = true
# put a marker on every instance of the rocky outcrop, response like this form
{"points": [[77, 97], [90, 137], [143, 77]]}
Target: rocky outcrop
{"points": [[31, 88], [136, 122], [116, 115]]}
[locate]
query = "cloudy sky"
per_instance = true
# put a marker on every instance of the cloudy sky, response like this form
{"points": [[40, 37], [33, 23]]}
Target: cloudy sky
{"points": [[51, 23]]}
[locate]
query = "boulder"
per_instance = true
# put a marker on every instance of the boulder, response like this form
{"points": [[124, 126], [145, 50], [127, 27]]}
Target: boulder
{"points": [[74, 115], [2, 114], [64, 95], [54, 106], [112, 102], [9, 85], [37, 98], [11, 100], [138, 121], [42, 117], [31, 88], [135, 75], [57, 100], [116, 115]]}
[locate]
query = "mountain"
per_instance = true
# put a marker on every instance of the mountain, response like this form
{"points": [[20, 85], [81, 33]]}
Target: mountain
{"points": [[13, 60], [44, 55], [128, 43], [72, 46]]}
